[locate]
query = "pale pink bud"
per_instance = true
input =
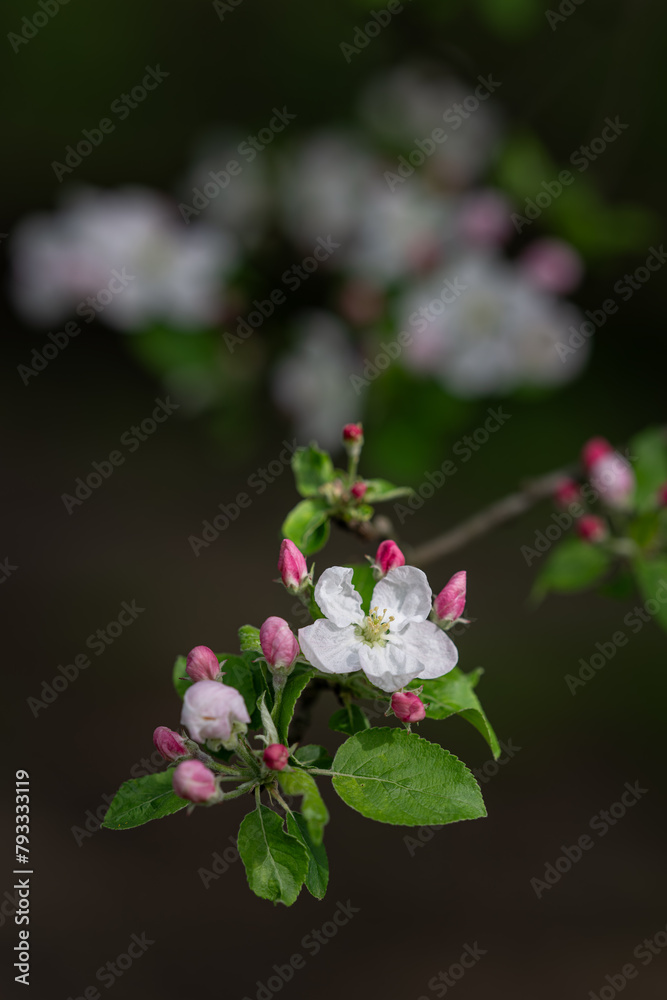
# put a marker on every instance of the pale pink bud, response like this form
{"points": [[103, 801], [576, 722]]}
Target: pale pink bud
{"points": [[210, 711], [388, 556], [193, 781], [593, 450], [169, 743], [612, 476], [567, 492], [202, 664], [407, 706], [358, 490], [353, 434], [278, 642], [552, 265], [485, 218], [451, 600], [275, 756], [292, 565], [592, 529]]}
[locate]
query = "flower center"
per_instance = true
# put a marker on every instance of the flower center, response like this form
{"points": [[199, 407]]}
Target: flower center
{"points": [[374, 629]]}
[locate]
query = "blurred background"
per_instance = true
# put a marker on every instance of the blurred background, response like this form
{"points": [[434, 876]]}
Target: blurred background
{"points": [[238, 210]]}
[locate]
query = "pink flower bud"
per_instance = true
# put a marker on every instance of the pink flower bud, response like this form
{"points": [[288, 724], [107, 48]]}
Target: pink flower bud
{"points": [[567, 492], [211, 711], [388, 556], [292, 565], [278, 642], [358, 490], [407, 707], [612, 476], [592, 529], [552, 265], [594, 450], [169, 743], [485, 218], [202, 664], [353, 434], [275, 756], [451, 600], [662, 496], [193, 781]]}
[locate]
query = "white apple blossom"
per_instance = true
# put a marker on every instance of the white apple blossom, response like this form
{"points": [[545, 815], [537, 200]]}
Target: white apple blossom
{"points": [[393, 644], [214, 713]]}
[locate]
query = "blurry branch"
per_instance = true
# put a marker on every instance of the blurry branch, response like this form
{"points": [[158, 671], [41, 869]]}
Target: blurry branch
{"points": [[491, 517]]}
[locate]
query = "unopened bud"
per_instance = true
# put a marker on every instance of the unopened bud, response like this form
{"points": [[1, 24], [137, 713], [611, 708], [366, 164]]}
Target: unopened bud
{"points": [[592, 529], [358, 490], [278, 642], [193, 781], [567, 492], [202, 664], [612, 476], [292, 566], [407, 706], [662, 496], [388, 556], [353, 434], [276, 756], [169, 743], [451, 601], [594, 450]]}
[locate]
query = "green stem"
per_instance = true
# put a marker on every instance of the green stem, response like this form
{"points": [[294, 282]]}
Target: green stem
{"points": [[244, 751], [241, 790]]}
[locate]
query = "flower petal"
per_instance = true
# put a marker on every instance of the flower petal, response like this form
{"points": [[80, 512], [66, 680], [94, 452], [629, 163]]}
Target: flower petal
{"points": [[337, 598], [406, 594], [421, 651], [329, 648]]}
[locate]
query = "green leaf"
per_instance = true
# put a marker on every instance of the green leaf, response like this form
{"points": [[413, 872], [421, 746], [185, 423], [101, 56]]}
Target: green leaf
{"points": [[313, 755], [652, 580], [242, 674], [317, 878], [140, 800], [349, 720], [395, 776], [313, 808], [307, 525], [276, 863], [573, 565], [312, 468], [454, 694], [179, 677], [645, 528], [648, 452], [364, 582], [249, 639], [294, 686], [379, 490]]}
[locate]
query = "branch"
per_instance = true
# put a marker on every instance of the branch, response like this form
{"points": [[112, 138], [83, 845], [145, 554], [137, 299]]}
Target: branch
{"points": [[497, 513]]}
